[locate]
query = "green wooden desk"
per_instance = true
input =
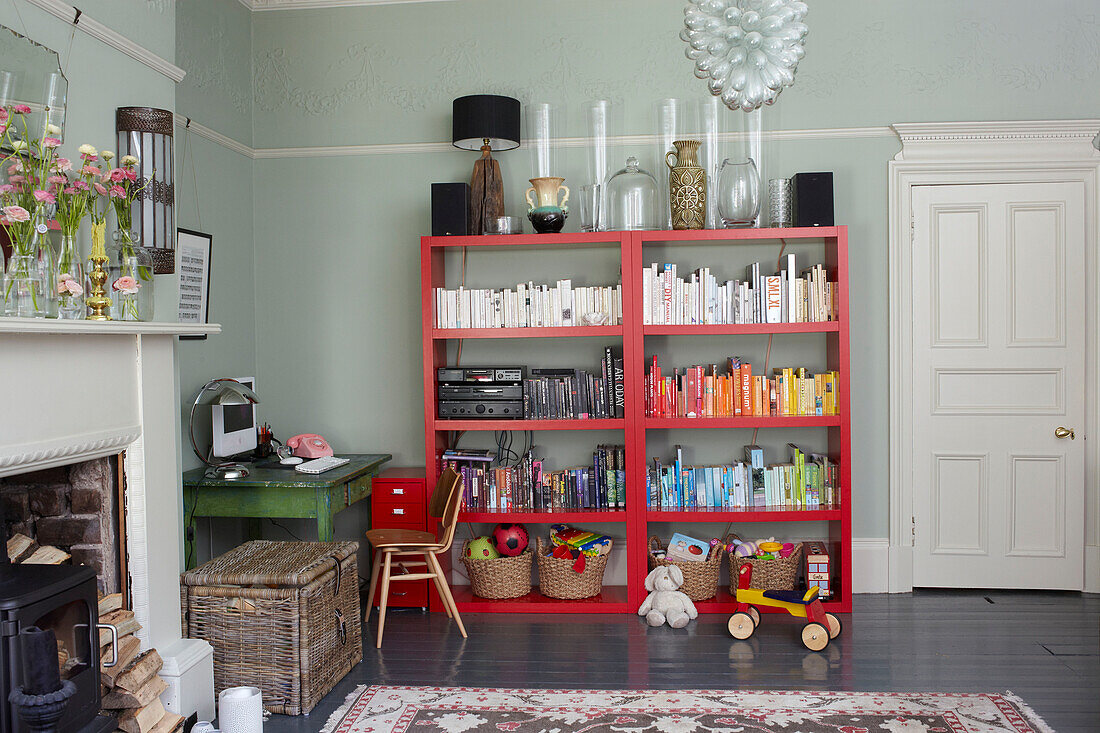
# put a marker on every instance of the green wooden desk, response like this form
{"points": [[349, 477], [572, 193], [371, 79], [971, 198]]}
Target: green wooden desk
{"points": [[274, 493]]}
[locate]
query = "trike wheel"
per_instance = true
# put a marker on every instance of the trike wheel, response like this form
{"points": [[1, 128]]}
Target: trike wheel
{"points": [[755, 615], [815, 636], [834, 624], [741, 626]]}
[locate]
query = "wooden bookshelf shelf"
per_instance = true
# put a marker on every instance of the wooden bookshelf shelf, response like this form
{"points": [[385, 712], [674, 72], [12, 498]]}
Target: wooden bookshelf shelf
{"points": [[506, 424], [678, 423], [611, 332], [538, 517], [613, 599], [741, 329], [636, 250]]}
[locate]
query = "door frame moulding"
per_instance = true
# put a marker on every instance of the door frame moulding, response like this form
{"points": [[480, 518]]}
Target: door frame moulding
{"points": [[959, 153]]}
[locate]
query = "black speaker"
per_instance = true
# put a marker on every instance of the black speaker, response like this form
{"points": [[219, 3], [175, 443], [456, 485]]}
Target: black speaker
{"points": [[813, 199], [450, 209]]}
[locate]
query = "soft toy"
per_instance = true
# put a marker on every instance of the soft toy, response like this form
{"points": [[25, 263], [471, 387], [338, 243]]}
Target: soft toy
{"points": [[665, 602]]}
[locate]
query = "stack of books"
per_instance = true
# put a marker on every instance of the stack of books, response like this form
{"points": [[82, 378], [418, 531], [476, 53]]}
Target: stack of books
{"points": [[787, 296], [528, 305], [574, 394], [806, 481], [700, 391]]}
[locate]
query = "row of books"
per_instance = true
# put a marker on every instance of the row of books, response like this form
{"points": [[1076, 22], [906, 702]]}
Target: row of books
{"points": [[788, 296], [528, 486], [574, 394], [693, 392], [529, 305], [806, 481]]}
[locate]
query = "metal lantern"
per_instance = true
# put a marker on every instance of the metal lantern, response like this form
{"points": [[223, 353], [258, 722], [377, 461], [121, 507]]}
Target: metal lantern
{"points": [[146, 132]]}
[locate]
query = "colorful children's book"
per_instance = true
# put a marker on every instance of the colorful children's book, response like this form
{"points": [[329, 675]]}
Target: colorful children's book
{"points": [[682, 547]]}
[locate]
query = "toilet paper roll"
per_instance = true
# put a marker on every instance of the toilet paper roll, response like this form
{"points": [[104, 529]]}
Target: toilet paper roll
{"points": [[240, 710]]}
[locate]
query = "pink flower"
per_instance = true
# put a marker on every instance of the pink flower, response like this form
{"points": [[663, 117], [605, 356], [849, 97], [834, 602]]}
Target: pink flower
{"points": [[57, 180], [126, 285], [63, 164], [16, 214], [100, 189], [66, 285], [3, 115], [51, 142], [90, 170], [131, 174], [16, 179], [21, 109], [70, 190], [6, 188], [118, 175], [44, 197], [81, 185], [15, 167], [117, 192]]}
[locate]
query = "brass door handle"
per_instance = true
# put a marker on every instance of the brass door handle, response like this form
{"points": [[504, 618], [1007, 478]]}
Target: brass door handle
{"points": [[1061, 432]]}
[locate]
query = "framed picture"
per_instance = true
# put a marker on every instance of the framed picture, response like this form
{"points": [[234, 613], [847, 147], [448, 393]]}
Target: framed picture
{"points": [[194, 251]]}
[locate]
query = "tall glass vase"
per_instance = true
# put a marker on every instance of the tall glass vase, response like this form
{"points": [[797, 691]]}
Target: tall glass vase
{"points": [[26, 288], [130, 277], [70, 283]]}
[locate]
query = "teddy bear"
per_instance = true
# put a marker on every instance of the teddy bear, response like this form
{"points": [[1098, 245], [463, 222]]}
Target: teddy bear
{"points": [[665, 603]]}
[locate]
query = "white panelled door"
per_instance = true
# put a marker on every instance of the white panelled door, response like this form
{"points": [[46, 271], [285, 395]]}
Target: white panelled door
{"points": [[998, 376]]}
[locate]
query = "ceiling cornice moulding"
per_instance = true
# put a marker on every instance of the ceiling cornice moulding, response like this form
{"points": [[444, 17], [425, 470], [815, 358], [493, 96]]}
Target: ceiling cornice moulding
{"points": [[1025, 139], [110, 37], [262, 5]]}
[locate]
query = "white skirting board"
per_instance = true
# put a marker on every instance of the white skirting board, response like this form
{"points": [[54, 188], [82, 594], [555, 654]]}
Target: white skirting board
{"points": [[870, 565], [1092, 568]]}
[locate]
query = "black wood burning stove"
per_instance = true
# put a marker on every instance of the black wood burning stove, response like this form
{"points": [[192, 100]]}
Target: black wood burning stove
{"points": [[62, 598]]}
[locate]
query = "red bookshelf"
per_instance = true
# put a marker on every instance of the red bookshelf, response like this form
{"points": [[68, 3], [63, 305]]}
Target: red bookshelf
{"points": [[635, 426]]}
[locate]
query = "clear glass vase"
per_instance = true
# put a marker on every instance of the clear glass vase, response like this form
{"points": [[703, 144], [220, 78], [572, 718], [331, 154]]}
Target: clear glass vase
{"points": [[71, 285], [738, 193], [22, 287], [130, 278], [632, 199]]}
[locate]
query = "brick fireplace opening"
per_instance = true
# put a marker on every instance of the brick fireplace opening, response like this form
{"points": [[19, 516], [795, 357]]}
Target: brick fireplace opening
{"points": [[74, 509]]}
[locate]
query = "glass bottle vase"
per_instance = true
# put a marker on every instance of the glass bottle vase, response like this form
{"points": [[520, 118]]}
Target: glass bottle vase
{"points": [[130, 278], [22, 288], [738, 193], [70, 283]]}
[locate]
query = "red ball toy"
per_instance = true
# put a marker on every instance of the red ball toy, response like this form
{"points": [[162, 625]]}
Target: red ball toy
{"points": [[510, 539]]}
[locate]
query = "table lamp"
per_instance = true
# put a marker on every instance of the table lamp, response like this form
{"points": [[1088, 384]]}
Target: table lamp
{"points": [[485, 122], [223, 391]]}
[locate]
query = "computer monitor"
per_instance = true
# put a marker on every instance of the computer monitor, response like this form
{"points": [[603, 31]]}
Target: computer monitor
{"points": [[234, 426]]}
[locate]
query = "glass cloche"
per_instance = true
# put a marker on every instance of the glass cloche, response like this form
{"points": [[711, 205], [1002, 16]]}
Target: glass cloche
{"points": [[632, 200]]}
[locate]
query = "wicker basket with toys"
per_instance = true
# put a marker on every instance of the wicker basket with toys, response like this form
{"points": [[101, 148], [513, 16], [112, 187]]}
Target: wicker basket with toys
{"points": [[572, 566], [699, 562], [775, 565], [499, 565]]}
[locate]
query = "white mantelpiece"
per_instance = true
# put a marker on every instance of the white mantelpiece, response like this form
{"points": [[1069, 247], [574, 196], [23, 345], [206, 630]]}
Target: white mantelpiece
{"points": [[72, 391]]}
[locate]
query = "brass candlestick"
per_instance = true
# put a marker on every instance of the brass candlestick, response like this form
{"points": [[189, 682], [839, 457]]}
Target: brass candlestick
{"points": [[99, 305]]}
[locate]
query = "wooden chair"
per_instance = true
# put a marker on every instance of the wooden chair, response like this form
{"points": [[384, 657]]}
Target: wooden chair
{"points": [[401, 543]]}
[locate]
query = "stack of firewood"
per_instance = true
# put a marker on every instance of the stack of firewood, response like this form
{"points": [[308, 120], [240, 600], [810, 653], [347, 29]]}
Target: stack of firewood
{"points": [[132, 687], [23, 550]]}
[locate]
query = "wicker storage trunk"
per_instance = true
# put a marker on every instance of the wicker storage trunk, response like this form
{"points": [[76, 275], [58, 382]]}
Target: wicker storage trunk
{"points": [[281, 616]]}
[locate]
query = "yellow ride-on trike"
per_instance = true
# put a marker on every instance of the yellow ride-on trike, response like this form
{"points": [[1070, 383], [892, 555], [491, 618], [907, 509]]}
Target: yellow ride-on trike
{"points": [[819, 629]]}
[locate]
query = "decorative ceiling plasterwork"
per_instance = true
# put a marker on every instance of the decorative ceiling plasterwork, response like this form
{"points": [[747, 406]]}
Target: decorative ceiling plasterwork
{"points": [[208, 62], [313, 4]]}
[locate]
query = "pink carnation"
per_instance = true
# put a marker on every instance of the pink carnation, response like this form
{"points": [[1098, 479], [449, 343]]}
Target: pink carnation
{"points": [[118, 175], [16, 214], [44, 197], [51, 142], [63, 164], [126, 285], [117, 192], [21, 109], [100, 189]]}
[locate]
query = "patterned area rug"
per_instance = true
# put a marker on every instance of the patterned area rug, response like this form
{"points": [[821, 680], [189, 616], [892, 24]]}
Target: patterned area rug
{"points": [[381, 709]]}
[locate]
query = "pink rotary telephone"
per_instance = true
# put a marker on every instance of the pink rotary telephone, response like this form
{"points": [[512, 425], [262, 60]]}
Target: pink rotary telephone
{"points": [[308, 445]]}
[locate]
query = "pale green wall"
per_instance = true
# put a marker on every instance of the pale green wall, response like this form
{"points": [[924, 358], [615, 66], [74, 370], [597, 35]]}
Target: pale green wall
{"points": [[337, 238]]}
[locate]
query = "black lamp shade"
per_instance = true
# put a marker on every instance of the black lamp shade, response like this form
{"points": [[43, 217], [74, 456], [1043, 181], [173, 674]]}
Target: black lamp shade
{"points": [[478, 117]]}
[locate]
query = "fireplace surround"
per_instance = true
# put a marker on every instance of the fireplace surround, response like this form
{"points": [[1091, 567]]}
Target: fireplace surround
{"points": [[127, 400]]}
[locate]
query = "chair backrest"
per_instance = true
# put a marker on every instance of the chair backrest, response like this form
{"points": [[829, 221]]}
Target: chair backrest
{"points": [[441, 494], [448, 516]]}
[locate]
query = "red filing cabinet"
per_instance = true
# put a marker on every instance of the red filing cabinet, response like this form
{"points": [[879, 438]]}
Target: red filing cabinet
{"points": [[399, 500]]}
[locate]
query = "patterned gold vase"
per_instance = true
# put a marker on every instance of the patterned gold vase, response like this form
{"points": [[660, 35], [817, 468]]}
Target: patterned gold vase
{"points": [[687, 184]]}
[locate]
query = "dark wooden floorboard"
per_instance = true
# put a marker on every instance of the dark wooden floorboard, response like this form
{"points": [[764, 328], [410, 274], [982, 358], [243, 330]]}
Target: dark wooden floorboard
{"points": [[1043, 646]]}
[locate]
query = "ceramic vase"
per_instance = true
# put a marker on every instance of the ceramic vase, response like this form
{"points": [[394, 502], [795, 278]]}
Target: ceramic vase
{"points": [[687, 186], [547, 215]]}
